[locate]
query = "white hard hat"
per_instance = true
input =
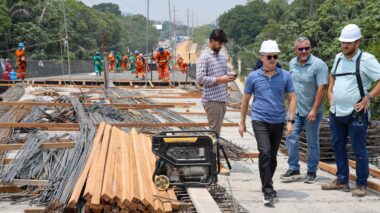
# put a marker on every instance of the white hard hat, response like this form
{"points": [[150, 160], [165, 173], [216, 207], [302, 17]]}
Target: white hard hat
{"points": [[350, 33], [269, 46]]}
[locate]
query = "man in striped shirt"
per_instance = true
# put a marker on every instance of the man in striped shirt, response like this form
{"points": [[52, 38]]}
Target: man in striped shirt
{"points": [[214, 75]]}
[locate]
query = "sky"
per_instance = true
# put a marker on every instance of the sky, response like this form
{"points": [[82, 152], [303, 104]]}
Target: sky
{"points": [[205, 11]]}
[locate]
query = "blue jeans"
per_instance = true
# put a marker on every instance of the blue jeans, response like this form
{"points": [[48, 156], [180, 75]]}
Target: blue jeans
{"points": [[312, 138], [341, 128]]}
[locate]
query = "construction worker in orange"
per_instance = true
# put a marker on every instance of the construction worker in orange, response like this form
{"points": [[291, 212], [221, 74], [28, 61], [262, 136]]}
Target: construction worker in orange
{"points": [[139, 65], [124, 63], [181, 65], [111, 61], [21, 61], [162, 58]]}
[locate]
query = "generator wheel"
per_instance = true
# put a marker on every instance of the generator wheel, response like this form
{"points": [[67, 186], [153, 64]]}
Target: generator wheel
{"points": [[162, 183]]}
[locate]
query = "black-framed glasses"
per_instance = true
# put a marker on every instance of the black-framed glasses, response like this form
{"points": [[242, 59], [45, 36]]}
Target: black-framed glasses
{"points": [[269, 57], [301, 49]]}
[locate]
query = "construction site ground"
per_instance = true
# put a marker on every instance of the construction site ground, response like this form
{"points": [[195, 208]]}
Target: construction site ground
{"points": [[244, 181]]}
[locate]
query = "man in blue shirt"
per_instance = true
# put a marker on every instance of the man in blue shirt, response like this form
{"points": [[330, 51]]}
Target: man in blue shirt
{"points": [[268, 85], [310, 77], [349, 108]]}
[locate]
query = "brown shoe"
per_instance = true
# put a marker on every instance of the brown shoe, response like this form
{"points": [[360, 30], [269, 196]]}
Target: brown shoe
{"points": [[336, 185], [359, 191]]}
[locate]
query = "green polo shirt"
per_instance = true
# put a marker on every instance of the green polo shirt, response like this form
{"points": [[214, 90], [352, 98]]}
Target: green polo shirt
{"points": [[306, 79], [346, 91]]}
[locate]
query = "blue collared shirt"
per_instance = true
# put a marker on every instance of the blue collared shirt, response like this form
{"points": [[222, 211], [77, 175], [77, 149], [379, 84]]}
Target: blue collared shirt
{"points": [[307, 78], [346, 91], [268, 94], [210, 66]]}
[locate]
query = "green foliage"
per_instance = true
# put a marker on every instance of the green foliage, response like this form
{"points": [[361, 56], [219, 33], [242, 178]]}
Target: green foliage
{"points": [[202, 34], [108, 7], [319, 20]]}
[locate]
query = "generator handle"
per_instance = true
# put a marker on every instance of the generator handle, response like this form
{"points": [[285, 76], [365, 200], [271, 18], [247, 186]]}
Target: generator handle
{"points": [[190, 131]]}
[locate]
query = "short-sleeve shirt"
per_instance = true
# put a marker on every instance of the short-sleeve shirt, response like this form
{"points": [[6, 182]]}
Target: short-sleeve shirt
{"points": [[306, 79], [268, 94], [346, 90]]}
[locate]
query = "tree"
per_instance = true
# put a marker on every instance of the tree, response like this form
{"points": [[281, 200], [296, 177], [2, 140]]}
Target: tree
{"points": [[108, 7]]}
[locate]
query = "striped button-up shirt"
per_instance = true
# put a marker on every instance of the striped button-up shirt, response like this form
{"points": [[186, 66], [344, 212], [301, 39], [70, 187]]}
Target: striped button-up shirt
{"points": [[210, 66]]}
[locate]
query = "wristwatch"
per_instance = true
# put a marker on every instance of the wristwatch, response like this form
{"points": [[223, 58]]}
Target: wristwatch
{"points": [[291, 121], [368, 96]]}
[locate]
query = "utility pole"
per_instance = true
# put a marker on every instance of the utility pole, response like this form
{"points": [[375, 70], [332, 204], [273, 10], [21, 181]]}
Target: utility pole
{"points": [[170, 20], [174, 25], [66, 40], [192, 21], [188, 23], [147, 32]]}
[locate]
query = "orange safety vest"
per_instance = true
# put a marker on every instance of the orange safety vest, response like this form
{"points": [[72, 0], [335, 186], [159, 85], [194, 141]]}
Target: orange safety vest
{"points": [[162, 59]]}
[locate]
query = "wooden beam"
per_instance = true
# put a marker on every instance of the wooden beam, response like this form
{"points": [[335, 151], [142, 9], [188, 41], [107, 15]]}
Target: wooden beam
{"points": [[34, 210], [372, 171], [249, 155], [76, 125], [10, 189], [138, 106], [22, 182], [332, 170], [202, 200], [63, 145]]}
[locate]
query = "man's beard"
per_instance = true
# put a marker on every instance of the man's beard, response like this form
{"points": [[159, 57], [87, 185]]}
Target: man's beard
{"points": [[216, 50]]}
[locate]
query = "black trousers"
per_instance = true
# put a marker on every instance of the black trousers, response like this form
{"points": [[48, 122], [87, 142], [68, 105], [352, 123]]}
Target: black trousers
{"points": [[268, 137]]}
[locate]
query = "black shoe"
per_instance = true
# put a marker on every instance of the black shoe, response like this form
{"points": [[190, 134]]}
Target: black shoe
{"points": [[274, 196], [268, 199], [310, 178], [291, 175]]}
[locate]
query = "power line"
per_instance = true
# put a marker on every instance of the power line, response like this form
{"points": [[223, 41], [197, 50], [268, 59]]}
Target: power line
{"points": [[34, 45]]}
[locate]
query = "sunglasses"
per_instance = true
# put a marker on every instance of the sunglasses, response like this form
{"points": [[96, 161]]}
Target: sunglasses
{"points": [[269, 57], [301, 49]]}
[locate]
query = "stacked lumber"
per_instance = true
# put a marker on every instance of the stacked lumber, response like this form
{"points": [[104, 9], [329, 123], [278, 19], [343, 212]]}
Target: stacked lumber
{"points": [[118, 175]]}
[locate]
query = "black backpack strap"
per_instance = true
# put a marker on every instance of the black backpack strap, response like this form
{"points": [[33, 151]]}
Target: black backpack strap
{"points": [[358, 77], [336, 67]]}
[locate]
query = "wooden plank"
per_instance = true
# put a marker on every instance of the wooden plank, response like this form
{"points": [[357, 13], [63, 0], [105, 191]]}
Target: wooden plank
{"points": [[34, 210], [62, 145], [89, 189], [372, 171], [95, 200], [22, 182], [145, 198], [332, 170], [249, 155], [202, 200], [118, 178], [76, 125], [151, 161], [126, 188], [84, 174], [107, 186], [10, 189], [138, 106], [135, 195]]}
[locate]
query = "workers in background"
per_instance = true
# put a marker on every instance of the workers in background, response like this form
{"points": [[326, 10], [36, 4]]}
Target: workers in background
{"points": [[310, 77], [162, 58], [144, 66], [350, 79], [118, 62], [98, 64], [124, 63], [21, 61], [139, 65], [133, 61], [111, 61], [182, 66]]}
